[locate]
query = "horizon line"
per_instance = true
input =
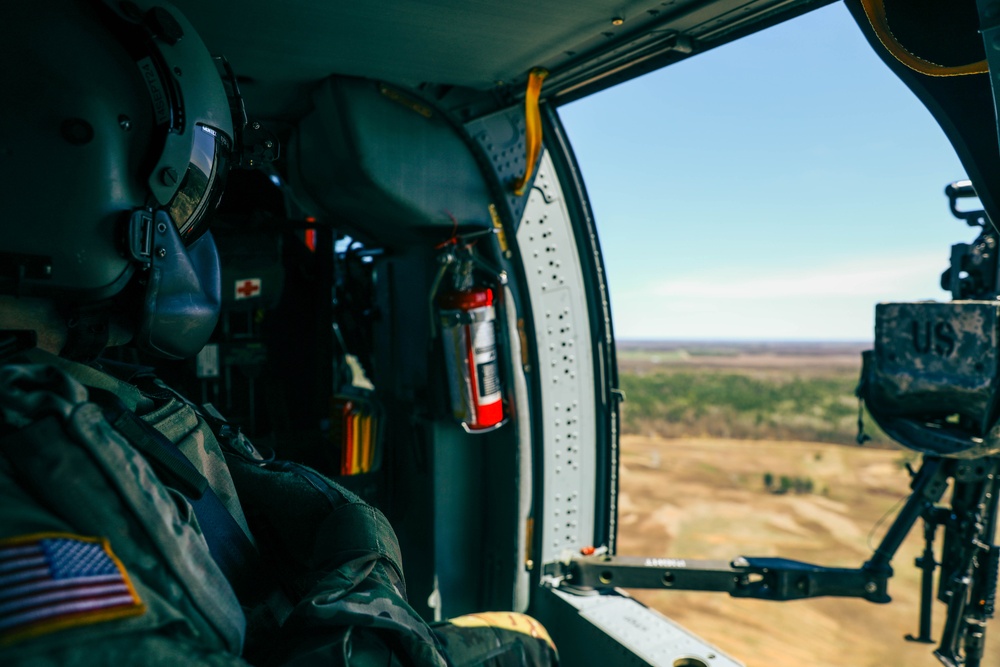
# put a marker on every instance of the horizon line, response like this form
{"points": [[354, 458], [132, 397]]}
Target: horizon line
{"points": [[748, 341]]}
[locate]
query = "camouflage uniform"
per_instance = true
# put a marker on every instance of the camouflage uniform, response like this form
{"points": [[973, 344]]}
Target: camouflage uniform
{"points": [[333, 591]]}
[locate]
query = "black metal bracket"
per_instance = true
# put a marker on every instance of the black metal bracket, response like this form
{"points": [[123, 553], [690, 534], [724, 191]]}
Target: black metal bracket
{"points": [[964, 190], [761, 578], [764, 578]]}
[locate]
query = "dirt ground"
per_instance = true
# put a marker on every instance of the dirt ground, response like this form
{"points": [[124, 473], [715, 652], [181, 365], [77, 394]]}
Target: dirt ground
{"points": [[700, 498]]}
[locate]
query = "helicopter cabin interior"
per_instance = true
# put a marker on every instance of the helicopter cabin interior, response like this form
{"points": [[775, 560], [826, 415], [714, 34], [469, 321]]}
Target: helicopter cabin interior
{"points": [[414, 296]]}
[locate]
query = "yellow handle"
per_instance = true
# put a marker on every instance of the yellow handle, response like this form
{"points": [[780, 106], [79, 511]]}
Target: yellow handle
{"points": [[533, 126]]}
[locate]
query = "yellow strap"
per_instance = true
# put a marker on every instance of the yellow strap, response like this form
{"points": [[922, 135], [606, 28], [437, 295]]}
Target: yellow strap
{"points": [[365, 464], [533, 126], [875, 10], [356, 438], [505, 620]]}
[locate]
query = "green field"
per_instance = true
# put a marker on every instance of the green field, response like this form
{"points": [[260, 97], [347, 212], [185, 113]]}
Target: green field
{"points": [[771, 395]]}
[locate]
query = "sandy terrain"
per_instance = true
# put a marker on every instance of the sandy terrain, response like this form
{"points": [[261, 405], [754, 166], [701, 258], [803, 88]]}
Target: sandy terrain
{"points": [[700, 498]]}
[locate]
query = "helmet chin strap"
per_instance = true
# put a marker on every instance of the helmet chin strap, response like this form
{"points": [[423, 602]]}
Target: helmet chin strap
{"points": [[88, 328]]}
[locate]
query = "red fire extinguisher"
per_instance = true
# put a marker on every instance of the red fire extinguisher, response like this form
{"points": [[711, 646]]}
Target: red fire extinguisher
{"points": [[468, 321]]}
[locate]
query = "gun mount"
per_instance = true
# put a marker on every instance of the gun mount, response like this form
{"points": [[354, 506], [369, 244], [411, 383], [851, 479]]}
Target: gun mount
{"points": [[745, 577], [973, 270]]}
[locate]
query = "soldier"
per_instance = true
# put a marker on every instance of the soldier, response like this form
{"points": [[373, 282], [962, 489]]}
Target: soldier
{"points": [[134, 527]]}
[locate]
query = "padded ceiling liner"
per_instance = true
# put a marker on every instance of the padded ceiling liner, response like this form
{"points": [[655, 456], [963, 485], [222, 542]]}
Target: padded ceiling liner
{"points": [[280, 45]]}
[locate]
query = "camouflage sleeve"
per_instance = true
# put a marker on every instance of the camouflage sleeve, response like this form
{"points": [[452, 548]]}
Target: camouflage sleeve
{"points": [[340, 559], [148, 649], [361, 596]]}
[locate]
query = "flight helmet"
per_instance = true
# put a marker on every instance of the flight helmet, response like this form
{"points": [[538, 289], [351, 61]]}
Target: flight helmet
{"points": [[115, 138]]}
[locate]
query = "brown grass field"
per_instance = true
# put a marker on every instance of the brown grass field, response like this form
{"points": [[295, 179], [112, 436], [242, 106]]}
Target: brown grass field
{"points": [[697, 497], [767, 359]]}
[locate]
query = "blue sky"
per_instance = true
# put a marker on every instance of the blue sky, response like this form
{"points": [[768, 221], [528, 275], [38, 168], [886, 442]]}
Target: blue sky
{"points": [[775, 188]]}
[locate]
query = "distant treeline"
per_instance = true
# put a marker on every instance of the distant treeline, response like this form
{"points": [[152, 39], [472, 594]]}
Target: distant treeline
{"points": [[727, 404]]}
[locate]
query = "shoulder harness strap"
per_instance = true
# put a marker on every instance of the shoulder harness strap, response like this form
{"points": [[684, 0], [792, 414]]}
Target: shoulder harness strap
{"points": [[233, 552]]}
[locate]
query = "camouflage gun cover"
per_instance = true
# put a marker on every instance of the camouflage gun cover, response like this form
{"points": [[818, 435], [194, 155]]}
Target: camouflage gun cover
{"points": [[931, 381]]}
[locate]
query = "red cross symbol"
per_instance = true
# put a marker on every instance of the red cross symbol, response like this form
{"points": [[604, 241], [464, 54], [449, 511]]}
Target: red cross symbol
{"points": [[248, 288]]}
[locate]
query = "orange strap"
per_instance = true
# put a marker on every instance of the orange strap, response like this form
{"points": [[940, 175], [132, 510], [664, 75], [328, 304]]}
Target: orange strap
{"points": [[875, 10], [533, 126]]}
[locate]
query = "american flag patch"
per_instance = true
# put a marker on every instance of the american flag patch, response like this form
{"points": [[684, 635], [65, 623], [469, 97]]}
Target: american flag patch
{"points": [[49, 582]]}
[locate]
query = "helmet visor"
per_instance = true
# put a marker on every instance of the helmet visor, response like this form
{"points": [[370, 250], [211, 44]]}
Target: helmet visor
{"points": [[202, 185]]}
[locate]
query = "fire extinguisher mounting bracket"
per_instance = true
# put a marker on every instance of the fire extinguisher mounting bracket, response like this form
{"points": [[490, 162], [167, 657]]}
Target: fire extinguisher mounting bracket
{"points": [[456, 317], [487, 429]]}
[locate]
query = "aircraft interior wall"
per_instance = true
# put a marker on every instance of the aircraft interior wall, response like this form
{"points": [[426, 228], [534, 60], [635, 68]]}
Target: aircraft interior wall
{"points": [[329, 350]]}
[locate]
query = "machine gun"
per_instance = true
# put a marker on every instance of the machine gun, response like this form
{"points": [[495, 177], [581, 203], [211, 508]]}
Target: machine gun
{"points": [[931, 384]]}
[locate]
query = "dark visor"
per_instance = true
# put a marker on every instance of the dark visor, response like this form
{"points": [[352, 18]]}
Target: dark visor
{"points": [[202, 184]]}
